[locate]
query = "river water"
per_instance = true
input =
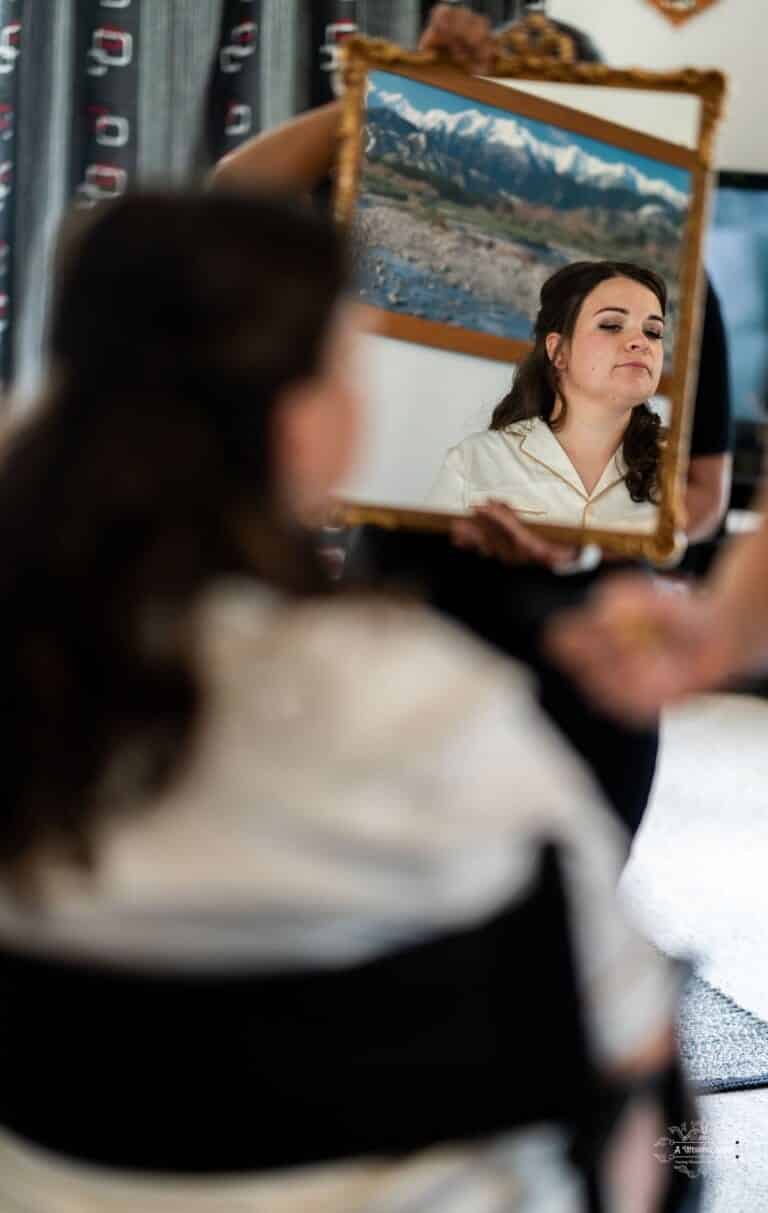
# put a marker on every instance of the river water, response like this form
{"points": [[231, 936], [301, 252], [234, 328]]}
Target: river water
{"points": [[391, 282]]}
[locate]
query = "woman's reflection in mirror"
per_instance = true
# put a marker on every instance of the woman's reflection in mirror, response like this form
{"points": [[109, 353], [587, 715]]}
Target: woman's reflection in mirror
{"points": [[575, 441]]}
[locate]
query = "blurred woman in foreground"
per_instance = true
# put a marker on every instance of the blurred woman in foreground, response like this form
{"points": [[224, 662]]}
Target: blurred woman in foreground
{"points": [[263, 847]]}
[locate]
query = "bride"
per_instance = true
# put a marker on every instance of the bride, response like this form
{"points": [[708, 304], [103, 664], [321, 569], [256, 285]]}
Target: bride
{"points": [[574, 441]]}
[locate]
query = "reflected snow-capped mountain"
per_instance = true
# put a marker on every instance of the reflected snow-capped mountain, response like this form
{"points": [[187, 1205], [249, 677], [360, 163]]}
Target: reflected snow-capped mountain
{"points": [[492, 157]]}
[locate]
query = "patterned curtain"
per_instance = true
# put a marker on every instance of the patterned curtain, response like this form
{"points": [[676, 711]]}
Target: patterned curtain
{"points": [[10, 49], [104, 140], [105, 94], [97, 96], [233, 110]]}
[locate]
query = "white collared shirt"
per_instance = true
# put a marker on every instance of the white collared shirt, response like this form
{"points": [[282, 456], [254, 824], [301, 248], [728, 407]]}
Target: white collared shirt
{"points": [[525, 466]]}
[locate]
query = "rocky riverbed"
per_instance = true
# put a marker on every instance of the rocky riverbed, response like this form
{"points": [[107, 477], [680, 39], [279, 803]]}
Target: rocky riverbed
{"points": [[454, 274]]}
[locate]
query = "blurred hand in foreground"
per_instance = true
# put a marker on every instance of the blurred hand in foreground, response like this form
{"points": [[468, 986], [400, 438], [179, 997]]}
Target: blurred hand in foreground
{"points": [[495, 530], [462, 35], [639, 644]]}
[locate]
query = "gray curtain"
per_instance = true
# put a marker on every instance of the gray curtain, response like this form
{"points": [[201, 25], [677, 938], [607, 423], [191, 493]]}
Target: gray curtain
{"points": [[174, 65], [178, 43], [44, 122]]}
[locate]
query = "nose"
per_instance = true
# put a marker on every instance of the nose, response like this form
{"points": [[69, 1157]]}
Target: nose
{"points": [[638, 341]]}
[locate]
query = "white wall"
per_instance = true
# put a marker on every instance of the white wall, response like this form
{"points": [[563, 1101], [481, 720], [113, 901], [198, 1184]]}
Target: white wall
{"points": [[729, 35], [421, 401], [424, 400]]}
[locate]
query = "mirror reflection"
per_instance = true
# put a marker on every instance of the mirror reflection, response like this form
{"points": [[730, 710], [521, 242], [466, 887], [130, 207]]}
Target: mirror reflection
{"points": [[466, 206], [517, 222], [674, 117], [574, 441]]}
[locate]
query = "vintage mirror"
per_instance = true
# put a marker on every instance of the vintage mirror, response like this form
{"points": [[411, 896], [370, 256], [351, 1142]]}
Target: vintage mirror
{"points": [[466, 193]]}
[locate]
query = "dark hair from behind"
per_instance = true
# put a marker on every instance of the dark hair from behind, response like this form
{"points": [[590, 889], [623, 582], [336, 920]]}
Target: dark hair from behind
{"points": [[534, 389], [145, 475]]}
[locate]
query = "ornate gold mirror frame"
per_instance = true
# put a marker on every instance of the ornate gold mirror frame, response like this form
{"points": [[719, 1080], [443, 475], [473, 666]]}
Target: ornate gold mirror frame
{"points": [[530, 59]]}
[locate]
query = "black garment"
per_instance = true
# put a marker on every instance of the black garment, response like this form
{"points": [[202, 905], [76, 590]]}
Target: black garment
{"points": [[428, 1043], [508, 607], [711, 429]]}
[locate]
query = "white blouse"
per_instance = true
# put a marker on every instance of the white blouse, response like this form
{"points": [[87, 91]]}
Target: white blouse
{"points": [[525, 466], [366, 775]]}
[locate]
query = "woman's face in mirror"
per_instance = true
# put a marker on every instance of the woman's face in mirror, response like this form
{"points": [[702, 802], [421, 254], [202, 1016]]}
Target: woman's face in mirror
{"points": [[616, 352]]}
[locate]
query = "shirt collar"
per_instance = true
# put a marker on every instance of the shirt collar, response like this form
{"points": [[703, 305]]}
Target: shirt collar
{"points": [[614, 472], [537, 441]]}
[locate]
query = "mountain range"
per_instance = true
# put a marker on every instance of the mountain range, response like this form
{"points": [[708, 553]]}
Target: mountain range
{"points": [[494, 158]]}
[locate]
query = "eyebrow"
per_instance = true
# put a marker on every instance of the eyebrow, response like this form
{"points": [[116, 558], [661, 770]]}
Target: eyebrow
{"points": [[625, 312]]}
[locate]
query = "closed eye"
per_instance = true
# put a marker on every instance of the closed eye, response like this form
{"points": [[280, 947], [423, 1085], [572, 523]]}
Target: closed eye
{"points": [[616, 328]]}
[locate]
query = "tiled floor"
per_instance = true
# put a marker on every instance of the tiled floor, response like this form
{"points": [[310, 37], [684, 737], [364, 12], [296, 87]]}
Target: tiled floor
{"points": [[698, 882]]}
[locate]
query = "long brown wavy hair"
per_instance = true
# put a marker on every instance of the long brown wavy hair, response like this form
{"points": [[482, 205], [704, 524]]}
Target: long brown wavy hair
{"points": [[145, 476], [535, 388]]}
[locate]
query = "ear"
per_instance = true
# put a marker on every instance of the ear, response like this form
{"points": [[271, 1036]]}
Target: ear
{"points": [[554, 345]]}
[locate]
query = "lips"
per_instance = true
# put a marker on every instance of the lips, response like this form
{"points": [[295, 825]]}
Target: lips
{"points": [[639, 366]]}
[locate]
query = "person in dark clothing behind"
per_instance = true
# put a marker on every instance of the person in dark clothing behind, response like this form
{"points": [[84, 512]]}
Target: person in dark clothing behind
{"points": [[711, 458]]}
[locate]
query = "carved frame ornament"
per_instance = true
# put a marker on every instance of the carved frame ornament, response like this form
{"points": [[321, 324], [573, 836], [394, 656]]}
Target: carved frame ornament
{"points": [[678, 11]]}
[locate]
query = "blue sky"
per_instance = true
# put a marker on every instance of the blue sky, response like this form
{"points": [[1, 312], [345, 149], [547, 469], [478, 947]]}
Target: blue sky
{"points": [[426, 97]]}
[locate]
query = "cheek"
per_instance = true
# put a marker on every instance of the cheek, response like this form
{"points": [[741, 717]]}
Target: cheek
{"points": [[589, 357], [345, 421]]}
